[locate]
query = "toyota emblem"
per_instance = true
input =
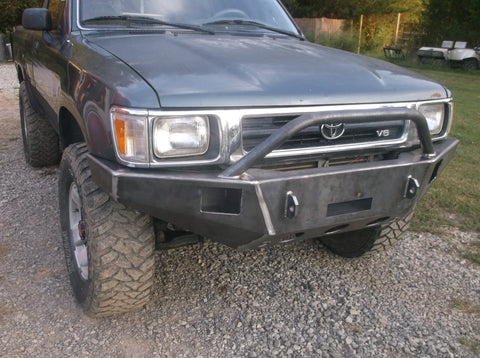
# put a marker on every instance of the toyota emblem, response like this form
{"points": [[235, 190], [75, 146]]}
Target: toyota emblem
{"points": [[332, 131]]}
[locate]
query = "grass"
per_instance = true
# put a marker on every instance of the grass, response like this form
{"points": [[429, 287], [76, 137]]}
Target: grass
{"points": [[474, 253], [473, 345], [465, 307], [454, 200]]}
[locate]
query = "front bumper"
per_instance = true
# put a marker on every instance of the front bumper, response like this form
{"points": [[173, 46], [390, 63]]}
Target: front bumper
{"points": [[265, 206]]}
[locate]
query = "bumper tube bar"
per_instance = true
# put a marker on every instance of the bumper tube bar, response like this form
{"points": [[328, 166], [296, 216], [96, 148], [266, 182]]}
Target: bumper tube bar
{"points": [[332, 117]]}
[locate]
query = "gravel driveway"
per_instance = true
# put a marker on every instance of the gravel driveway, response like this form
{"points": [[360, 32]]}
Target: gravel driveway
{"points": [[420, 299]]}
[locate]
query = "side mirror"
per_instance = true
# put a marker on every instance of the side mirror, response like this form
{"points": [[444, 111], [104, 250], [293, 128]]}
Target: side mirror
{"points": [[37, 19]]}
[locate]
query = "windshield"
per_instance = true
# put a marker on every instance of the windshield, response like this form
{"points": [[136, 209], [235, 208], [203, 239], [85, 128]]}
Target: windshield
{"points": [[214, 14]]}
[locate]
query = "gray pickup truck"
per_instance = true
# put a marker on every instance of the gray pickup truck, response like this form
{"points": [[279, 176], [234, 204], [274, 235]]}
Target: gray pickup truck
{"points": [[218, 118]]}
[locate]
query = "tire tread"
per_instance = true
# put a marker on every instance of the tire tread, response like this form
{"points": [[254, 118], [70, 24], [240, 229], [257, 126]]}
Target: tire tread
{"points": [[42, 147], [120, 245], [368, 241]]}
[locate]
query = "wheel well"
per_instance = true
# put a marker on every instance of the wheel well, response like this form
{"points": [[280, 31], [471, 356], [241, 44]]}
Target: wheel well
{"points": [[69, 130], [20, 76]]}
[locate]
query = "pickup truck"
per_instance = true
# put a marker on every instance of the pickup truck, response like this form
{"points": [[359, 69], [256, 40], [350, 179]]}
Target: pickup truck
{"points": [[174, 121]]}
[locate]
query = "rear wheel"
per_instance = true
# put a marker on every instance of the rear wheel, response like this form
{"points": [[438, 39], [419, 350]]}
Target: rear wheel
{"points": [[40, 141], [470, 64], [370, 240], [109, 248]]}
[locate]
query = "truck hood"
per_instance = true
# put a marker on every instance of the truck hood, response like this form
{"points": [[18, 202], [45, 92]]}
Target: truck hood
{"points": [[191, 70]]}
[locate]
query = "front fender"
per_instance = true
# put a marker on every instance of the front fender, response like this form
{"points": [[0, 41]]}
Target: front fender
{"points": [[97, 80]]}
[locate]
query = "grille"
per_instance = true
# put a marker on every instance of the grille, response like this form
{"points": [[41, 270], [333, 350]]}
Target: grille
{"points": [[257, 129]]}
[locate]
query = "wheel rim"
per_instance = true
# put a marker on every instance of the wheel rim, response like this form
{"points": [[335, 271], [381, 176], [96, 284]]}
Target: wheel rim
{"points": [[77, 232]]}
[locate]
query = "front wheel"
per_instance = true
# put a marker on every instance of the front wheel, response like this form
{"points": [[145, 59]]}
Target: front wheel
{"points": [[367, 241], [109, 249]]}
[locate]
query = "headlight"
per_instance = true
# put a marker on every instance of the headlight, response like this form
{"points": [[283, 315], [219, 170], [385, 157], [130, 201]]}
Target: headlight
{"points": [[435, 116], [130, 135], [179, 136]]}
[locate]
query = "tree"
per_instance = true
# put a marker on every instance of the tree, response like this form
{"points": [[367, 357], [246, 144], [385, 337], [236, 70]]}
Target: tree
{"points": [[453, 20], [11, 12], [380, 16], [352, 9]]}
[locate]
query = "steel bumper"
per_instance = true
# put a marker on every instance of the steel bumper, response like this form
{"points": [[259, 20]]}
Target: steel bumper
{"points": [[265, 206]]}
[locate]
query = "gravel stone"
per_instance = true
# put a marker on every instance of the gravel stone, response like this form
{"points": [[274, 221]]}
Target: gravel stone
{"points": [[211, 301]]}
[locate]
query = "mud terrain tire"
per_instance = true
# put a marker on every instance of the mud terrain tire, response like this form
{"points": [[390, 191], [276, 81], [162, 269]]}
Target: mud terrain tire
{"points": [[367, 241], [40, 141], [109, 249]]}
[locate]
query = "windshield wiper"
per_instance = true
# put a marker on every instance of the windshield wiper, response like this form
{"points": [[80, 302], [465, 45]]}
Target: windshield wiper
{"points": [[149, 20], [256, 24]]}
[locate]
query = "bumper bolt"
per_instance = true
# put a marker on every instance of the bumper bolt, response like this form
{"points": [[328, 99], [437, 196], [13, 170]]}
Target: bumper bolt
{"points": [[411, 189], [291, 205]]}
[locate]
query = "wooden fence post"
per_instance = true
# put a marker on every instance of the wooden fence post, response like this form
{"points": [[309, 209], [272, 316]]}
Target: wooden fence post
{"points": [[397, 28], [360, 34]]}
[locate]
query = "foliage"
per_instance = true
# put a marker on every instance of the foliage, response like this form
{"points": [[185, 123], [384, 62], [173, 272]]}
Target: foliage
{"points": [[342, 41], [380, 17], [352, 9], [11, 12], [443, 19], [453, 20]]}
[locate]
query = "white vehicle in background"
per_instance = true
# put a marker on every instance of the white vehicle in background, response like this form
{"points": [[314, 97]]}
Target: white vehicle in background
{"points": [[452, 53]]}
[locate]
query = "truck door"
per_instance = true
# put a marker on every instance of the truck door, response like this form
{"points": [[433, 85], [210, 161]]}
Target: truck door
{"points": [[51, 51]]}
